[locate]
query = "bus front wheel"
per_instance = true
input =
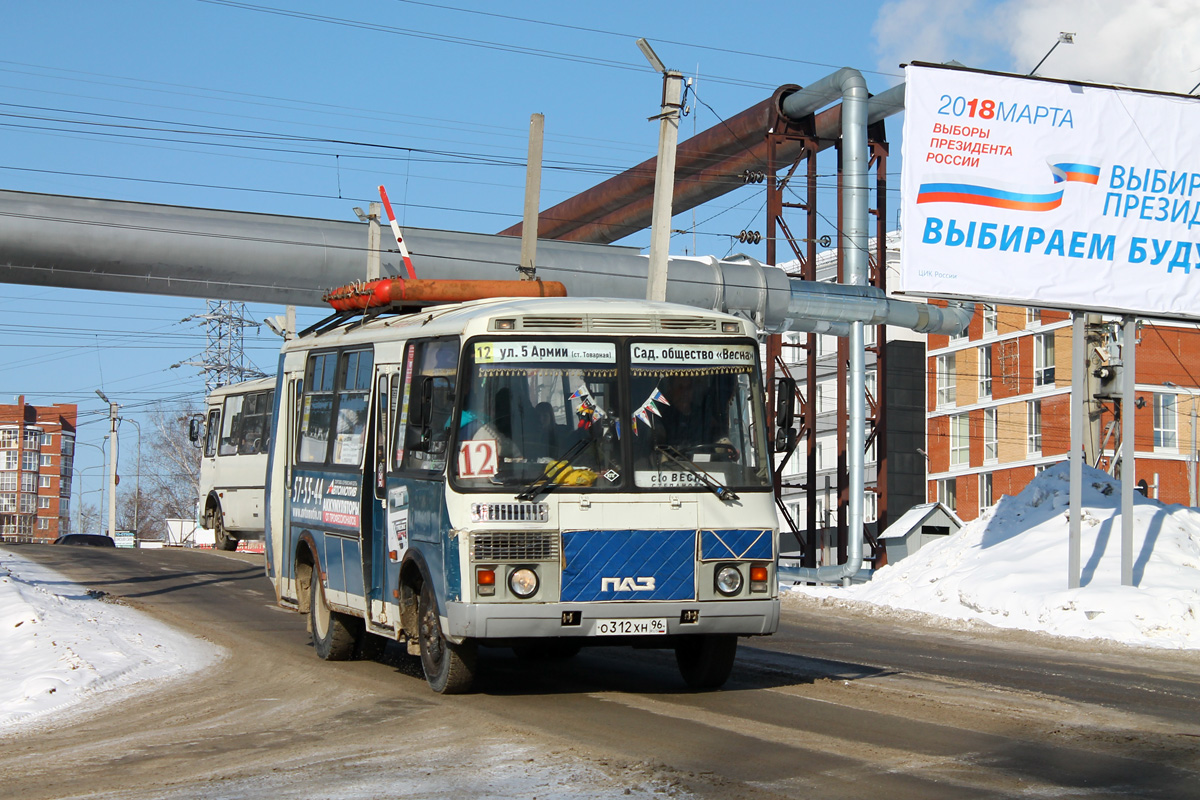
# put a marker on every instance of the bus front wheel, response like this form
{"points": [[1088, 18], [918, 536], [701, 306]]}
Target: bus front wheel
{"points": [[706, 660], [332, 637], [449, 668], [222, 538]]}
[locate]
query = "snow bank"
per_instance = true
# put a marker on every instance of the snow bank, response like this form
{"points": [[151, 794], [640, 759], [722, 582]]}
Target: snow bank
{"points": [[1009, 568], [61, 644]]}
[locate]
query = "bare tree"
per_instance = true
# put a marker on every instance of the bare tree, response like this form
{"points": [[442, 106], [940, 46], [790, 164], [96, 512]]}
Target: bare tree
{"points": [[170, 475]]}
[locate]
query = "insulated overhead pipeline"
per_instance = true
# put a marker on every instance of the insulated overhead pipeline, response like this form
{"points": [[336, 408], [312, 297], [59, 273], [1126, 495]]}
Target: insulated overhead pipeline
{"points": [[707, 166]]}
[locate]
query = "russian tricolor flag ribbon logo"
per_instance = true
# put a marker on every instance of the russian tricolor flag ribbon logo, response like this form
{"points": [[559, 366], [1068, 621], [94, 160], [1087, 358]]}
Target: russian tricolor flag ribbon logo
{"points": [[977, 195]]}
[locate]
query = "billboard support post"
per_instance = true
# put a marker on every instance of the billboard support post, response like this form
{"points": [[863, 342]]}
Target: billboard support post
{"points": [[1128, 470], [1078, 384]]}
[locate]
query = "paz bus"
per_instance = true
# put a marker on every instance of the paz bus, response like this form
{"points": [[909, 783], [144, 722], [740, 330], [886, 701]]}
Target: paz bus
{"points": [[234, 436], [537, 474]]}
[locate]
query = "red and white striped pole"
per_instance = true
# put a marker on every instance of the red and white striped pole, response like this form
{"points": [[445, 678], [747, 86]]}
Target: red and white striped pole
{"points": [[396, 230]]}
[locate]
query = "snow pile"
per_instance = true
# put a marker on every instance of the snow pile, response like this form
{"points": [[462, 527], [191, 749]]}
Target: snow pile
{"points": [[61, 644], [1009, 568]]}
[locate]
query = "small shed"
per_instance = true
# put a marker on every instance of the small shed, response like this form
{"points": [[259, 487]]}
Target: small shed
{"points": [[917, 527]]}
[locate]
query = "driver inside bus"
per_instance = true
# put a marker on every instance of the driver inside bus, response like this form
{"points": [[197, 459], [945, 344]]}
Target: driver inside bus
{"points": [[691, 420]]}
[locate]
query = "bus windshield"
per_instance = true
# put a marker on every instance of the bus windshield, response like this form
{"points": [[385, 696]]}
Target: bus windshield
{"points": [[695, 407], [540, 410], [556, 414]]}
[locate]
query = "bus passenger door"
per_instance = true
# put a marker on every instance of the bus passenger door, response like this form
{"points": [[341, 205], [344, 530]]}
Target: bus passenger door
{"points": [[377, 554]]}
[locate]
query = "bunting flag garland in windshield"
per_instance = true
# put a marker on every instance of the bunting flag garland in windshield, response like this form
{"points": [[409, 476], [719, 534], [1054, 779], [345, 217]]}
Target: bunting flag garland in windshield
{"points": [[649, 410]]}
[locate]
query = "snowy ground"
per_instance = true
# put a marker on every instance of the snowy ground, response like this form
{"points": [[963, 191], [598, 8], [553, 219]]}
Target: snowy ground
{"points": [[1009, 569], [61, 645]]}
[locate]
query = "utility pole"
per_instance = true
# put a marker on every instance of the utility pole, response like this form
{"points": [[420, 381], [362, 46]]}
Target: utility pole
{"points": [[664, 173], [112, 464], [533, 191]]}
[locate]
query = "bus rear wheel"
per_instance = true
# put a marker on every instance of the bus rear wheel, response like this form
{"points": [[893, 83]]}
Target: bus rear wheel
{"points": [[332, 637], [449, 668], [223, 540], [706, 660]]}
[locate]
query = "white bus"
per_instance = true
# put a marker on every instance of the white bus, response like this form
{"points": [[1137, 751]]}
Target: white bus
{"points": [[235, 436], [540, 474]]}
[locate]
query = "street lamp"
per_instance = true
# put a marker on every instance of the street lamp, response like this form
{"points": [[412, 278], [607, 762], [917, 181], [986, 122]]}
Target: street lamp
{"points": [[1192, 462]]}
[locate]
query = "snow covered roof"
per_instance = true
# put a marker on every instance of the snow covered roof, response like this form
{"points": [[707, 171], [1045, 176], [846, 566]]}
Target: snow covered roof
{"points": [[917, 516]]}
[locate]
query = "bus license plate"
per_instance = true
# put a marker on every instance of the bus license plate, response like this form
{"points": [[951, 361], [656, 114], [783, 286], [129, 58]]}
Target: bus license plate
{"points": [[631, 627]]}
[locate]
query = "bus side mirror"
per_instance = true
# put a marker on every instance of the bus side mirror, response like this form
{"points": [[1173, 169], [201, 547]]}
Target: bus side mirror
{"points": [[785, 415], [195, 430], [785, 406], [433, 439]]}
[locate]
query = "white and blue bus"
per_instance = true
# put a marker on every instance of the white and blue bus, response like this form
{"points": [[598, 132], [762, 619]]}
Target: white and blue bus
{"points": [[540, 474]]}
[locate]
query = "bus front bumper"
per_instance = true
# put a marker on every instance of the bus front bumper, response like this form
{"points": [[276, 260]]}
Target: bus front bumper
{"points": [[598, 620]]}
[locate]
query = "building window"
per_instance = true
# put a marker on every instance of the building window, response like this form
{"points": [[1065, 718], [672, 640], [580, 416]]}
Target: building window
{"points": [[947, 493], [33, 438], [985, 491], [43, 524], [47, 440], [1166, 421], [44, 481], [43, 502], [989, 320], [870, 506], [1043, 359], [29, 460], [8, 502], [991, 445], [960, 440], [8, 481], [28, 503], [9, 437], [985, 372], [1033, 316], [945, 380], [1033, 427], [29, 482], [46, 460]]}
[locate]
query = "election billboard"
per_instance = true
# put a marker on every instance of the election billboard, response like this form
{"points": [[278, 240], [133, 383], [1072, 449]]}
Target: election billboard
{"points": [[1050, 193]]}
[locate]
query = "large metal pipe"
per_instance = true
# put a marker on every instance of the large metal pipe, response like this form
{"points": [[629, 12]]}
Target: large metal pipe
{"points": [[709, 165], [113, 245]]}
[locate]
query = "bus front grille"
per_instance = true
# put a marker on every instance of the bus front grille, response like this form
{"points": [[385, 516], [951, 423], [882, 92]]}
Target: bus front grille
{"points": [[515, 546]]}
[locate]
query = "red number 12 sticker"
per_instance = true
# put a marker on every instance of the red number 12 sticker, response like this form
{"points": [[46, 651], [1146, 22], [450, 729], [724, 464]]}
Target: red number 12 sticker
{"points": [[477, 459]]}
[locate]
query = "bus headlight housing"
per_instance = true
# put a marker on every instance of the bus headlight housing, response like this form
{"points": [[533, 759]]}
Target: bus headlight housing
{"points": [[729, 580], [523, 582]]}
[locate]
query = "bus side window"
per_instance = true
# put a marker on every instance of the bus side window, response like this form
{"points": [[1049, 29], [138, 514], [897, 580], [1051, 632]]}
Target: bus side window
{"points": [[354, 389], [316, 408], [212, 432], [231, 426], [268, 409]]}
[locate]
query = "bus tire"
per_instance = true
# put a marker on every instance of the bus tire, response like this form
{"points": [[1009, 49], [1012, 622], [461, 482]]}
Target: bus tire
{"points": [[223, 540], [332, 637], [706, 660], [449, 668]]}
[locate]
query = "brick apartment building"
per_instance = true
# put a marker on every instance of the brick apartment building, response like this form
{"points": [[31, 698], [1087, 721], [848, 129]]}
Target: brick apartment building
{"points": [[999, 397], [37, 450]]}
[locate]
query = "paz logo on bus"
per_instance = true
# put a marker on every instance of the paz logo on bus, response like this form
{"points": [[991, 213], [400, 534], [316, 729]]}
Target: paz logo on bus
{"points": [[627, 584]]}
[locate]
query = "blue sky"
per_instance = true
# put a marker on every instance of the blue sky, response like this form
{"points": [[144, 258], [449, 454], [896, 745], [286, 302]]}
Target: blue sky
{"points": [[107, 99]]}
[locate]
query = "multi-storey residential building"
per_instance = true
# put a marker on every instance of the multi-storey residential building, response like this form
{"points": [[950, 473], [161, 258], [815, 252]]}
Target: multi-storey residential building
{"points": [[999, 405], [37, 451]]}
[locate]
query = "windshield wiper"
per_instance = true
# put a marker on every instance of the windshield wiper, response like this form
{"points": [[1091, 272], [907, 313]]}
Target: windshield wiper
{"points": [[558, 467], [710, 483]]}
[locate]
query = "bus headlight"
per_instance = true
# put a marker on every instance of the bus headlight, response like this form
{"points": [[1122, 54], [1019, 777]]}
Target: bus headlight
{"points": [[729, 580], [523, 582]]}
